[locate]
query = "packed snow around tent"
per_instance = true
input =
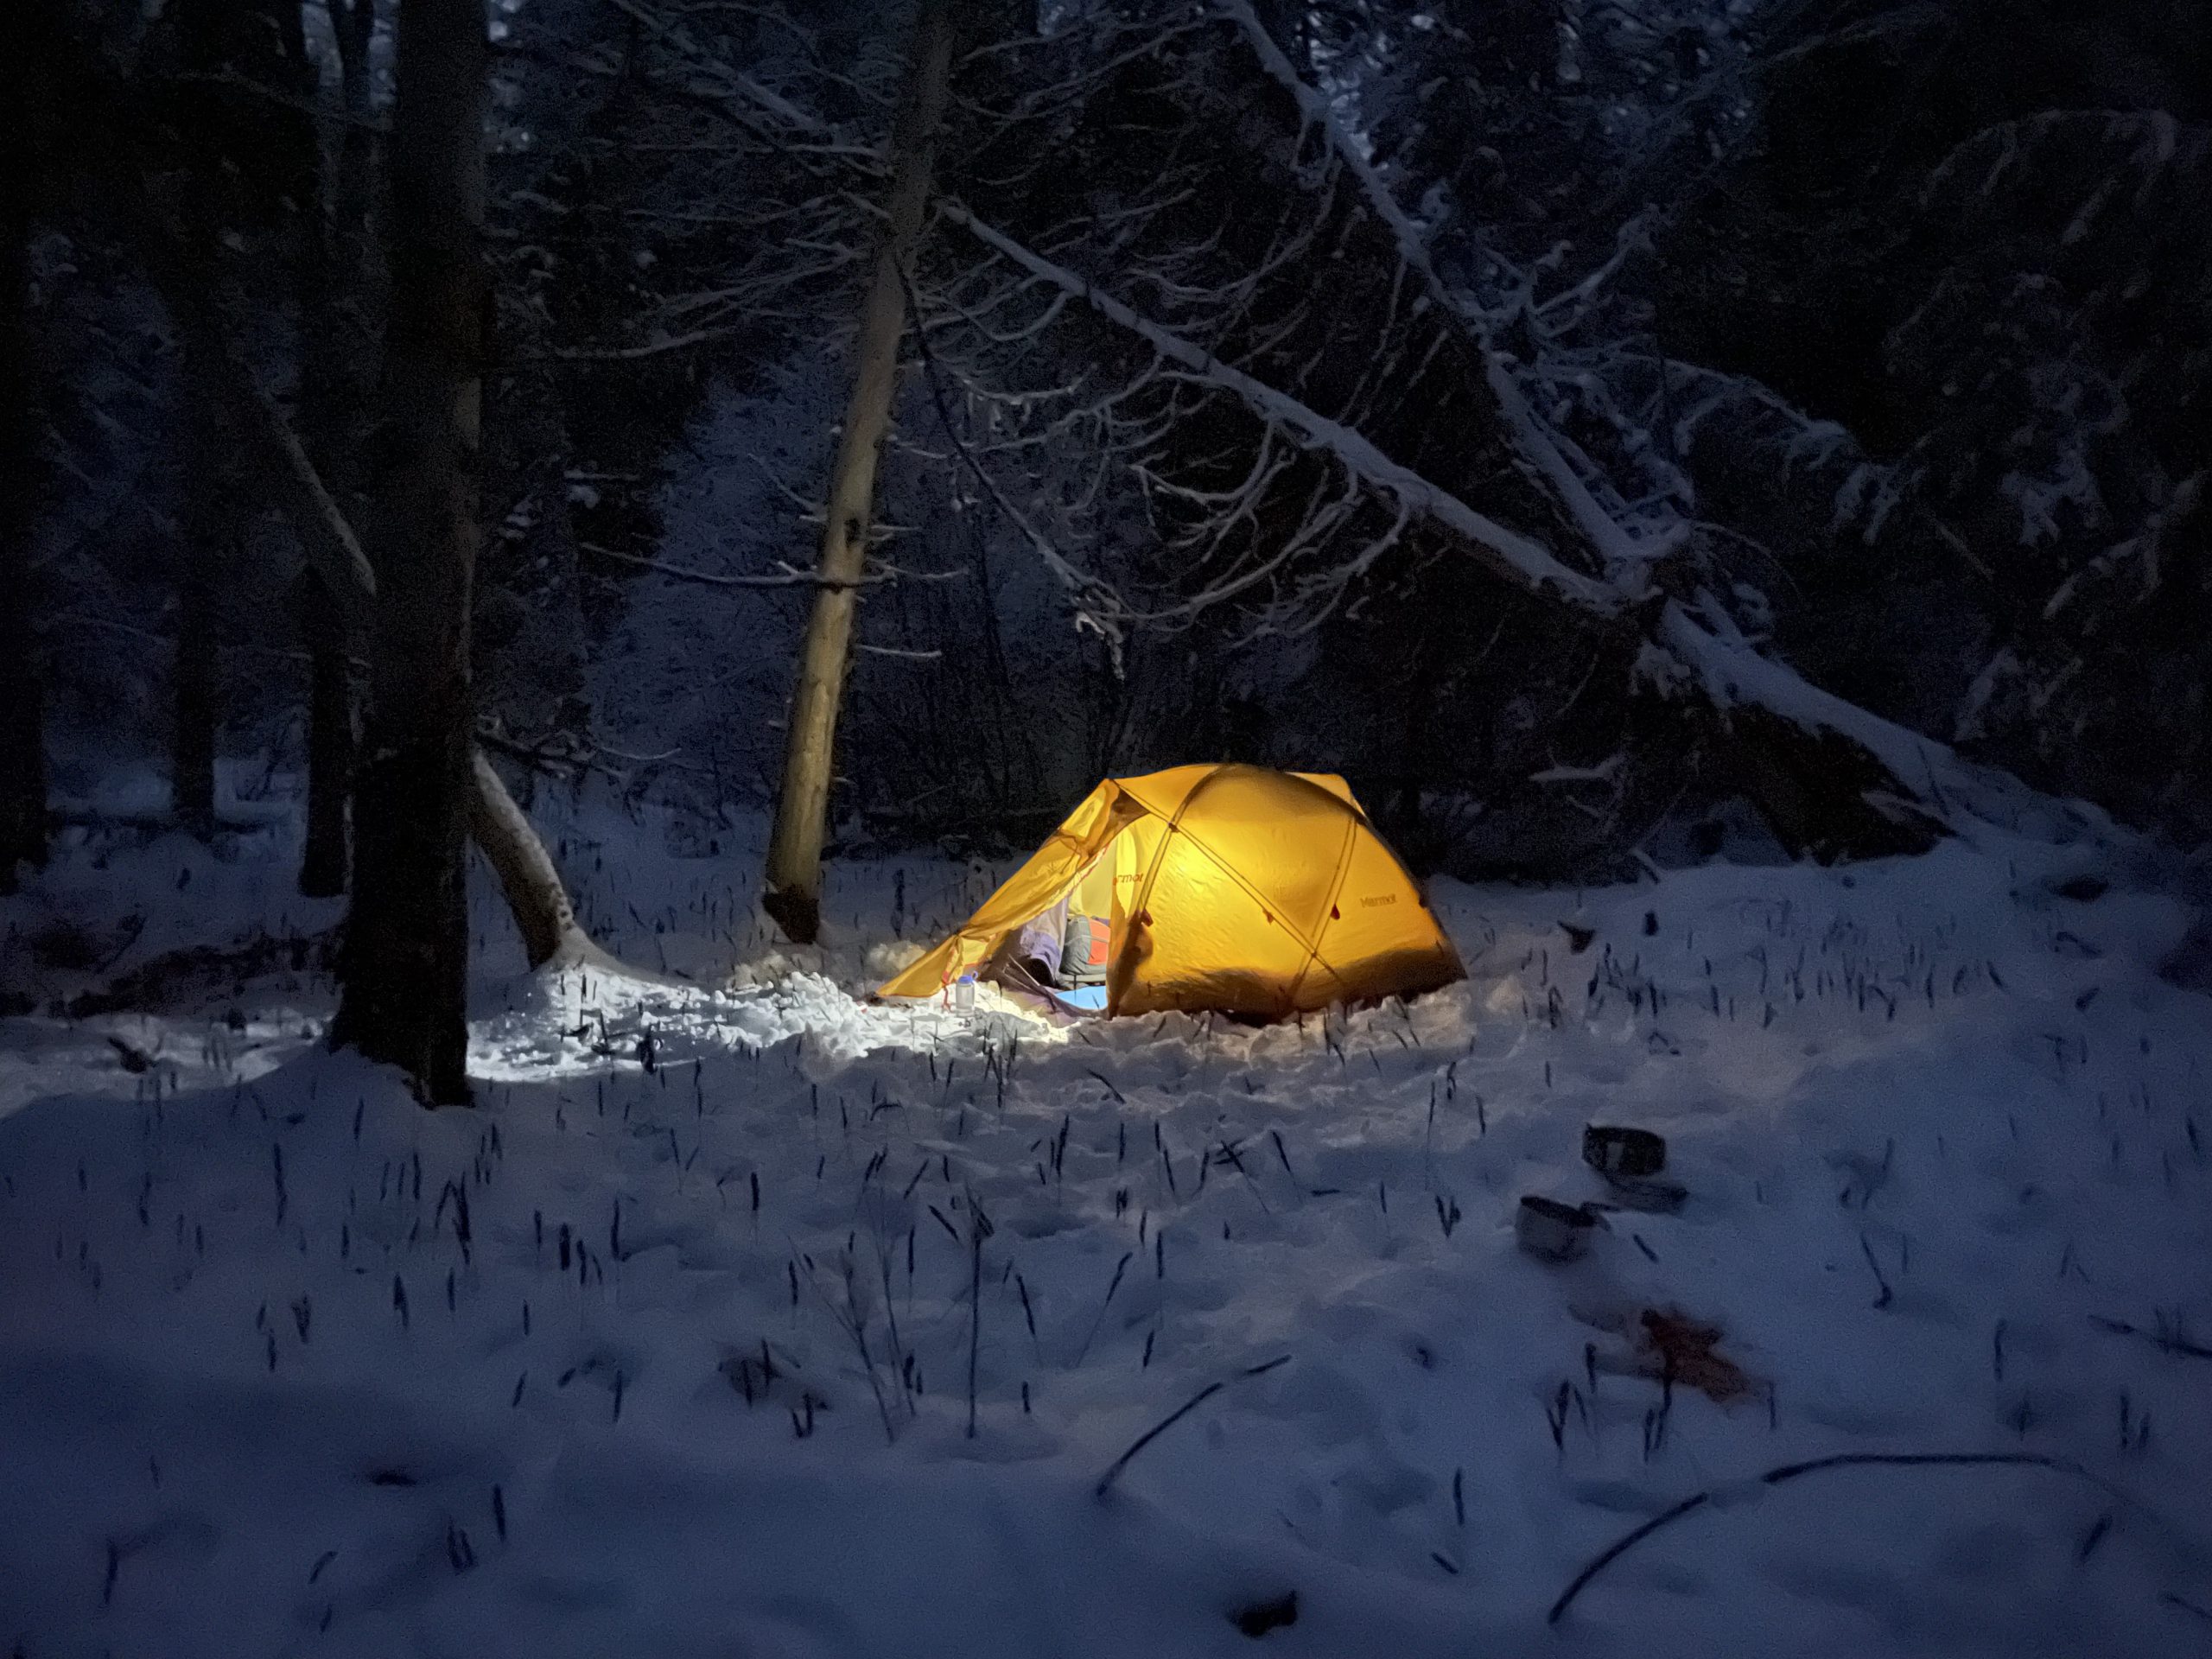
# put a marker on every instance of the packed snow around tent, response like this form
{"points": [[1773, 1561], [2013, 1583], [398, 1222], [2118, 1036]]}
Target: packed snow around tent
{"points": [[767, 1321]]}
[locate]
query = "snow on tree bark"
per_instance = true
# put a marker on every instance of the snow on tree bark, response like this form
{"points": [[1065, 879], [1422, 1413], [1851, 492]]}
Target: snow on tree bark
{"points": [[1830, 778], [530, 882]]}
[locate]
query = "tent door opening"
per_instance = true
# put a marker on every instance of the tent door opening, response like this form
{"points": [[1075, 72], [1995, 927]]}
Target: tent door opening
{"points": [[1063, 951]]}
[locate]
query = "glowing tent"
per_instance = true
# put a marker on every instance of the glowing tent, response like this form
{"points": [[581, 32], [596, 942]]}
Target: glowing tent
{"points": [[1263, 894]]}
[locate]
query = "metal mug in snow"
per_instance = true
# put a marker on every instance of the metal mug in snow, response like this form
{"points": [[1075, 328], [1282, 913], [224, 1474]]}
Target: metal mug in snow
{"points": [[1553, 1231], [1611, 1151]]}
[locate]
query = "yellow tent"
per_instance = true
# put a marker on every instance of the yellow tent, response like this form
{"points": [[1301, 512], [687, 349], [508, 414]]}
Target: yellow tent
{"points": [[1263, 894]]}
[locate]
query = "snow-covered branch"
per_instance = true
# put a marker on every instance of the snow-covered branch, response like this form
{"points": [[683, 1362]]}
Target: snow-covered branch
{"points": [[1510, 555]]}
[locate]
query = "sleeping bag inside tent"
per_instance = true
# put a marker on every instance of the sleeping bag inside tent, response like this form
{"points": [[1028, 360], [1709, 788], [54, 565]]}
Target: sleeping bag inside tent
{"points": [[1262, 894]]}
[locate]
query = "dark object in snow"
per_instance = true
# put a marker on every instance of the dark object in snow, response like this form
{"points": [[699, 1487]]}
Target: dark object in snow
{"points": [[2172, 1339], [1578, 938], [134, 1059], [2083, 889], [1677, 1349], [2091, 1538], [1790, 1472], [1552, 1231], [1258, 1617], [167, 979], [1612, 1150], [2189, 964], [72, 947], [1107, 1480]]}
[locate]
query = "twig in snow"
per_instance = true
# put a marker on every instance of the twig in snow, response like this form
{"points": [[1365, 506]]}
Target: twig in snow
{"points": [[979, 1229], [1789, 1471], [2171, 1341], [1107, 1480], [1867, 1249], [1028, 1317], [1120, 1267]]}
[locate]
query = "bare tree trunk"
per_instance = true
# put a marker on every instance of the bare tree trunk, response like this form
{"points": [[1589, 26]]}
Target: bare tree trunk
{"points": [[193, 700], [528, 877], [325, 855], [333, 253], [22, 735], [405, 966], [354, 23], [794, 869], [210, 531]]}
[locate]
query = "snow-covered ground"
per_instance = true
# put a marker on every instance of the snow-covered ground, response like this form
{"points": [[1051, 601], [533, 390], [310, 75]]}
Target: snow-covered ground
{"points": [[665, 1348]]}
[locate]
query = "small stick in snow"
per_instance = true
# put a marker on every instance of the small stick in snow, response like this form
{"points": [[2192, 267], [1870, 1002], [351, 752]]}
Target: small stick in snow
{"points": [[1029, 1317], [1120, 1267], [2171, 1342], [1883, 1300], [1790, 1472], [1107, 1480], [979, 1228]]}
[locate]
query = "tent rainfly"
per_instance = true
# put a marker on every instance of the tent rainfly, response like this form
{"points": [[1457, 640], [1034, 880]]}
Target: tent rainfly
{"points": [[1261, 894]]}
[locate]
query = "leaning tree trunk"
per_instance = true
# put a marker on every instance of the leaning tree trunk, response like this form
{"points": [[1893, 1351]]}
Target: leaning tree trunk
{"points": [[405, 968], [527, 877], [530, 882], [1825, 776], [793, 893], [23, 746]]}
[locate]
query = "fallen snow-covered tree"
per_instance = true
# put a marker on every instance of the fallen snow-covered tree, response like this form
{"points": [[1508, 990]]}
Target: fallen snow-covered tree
{"points": [[1833, 779]]}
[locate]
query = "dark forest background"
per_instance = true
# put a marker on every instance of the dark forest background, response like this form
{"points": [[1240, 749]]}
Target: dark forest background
{"points": [[1882, 329]]}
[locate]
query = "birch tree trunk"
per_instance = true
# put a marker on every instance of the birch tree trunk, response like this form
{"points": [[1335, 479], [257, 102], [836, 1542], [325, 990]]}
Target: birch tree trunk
{"points": [[531, 883], [22, 741], [794, 868], [405, 968]]}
